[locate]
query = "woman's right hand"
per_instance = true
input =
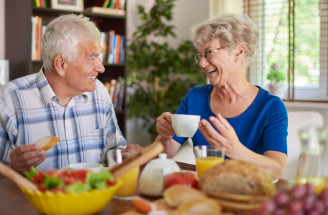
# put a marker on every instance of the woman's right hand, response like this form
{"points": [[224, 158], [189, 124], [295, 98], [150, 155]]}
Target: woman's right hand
{"points": [[164, 125]]}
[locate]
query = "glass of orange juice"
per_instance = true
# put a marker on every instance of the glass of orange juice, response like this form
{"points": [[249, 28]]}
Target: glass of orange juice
{"points": [[130, 179], [206, 157]]}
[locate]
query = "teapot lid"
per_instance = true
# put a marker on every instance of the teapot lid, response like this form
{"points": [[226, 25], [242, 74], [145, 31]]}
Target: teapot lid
{"points": [[162, 160]]}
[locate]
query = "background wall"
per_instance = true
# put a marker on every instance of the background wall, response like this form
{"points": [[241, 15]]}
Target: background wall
{"points": [[2, 29], [186, 13]]}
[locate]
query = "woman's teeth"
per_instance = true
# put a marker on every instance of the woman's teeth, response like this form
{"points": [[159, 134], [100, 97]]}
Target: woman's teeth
{"points": [[210, 71]]}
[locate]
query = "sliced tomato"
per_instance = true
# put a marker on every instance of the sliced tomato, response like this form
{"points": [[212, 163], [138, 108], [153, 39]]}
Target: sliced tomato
{"points": [[110, 183], [54, 173], [41, 188], [38, 178], [79, 174]]}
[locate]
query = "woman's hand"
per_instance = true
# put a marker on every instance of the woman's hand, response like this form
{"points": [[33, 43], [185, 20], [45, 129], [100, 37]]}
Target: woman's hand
{"points": [[226, 137], [164, 125], [26, 156]]}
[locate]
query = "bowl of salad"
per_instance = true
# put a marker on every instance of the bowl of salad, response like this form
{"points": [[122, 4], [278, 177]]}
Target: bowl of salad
{"points": [[70, 192]]}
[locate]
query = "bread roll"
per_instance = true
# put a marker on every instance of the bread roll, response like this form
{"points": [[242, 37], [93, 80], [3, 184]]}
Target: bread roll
{"points": [[237, 207], [47, 142], [177, 194], [237, 180], [203, 206]]}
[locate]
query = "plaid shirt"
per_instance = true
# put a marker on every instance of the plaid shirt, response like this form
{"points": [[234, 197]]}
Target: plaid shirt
{"points": [[30, 110]]}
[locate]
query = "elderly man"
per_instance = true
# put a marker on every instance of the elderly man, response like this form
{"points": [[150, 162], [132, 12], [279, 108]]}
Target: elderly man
{"points": [[64, 99]]}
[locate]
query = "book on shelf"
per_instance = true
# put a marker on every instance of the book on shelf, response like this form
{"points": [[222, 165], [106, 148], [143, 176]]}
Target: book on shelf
{"points": [[116, 90], [115, 48], [107, 11], [103, 45], [40, 3], [37, 25]]}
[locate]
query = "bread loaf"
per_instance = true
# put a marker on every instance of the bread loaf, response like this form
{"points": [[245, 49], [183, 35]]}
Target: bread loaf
{"points": [[237, 180], [47, 142]]}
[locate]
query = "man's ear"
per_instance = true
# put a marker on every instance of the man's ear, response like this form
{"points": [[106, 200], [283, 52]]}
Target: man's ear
{"points": [[60, 64]]}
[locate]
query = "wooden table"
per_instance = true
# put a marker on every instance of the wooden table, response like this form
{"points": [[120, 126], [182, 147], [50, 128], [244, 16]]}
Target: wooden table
{"points": [[13, 201]]}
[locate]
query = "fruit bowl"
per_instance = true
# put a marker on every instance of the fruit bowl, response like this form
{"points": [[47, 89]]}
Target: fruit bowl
{"points": [[71, 203]]}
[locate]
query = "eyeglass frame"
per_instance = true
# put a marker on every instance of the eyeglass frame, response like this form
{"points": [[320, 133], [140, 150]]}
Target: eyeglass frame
{"points": [[208, 54]]}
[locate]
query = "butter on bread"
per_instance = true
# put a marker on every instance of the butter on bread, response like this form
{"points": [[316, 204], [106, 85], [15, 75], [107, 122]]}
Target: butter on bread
{"points": [[177, 194], [47, 142], [237, 180]]}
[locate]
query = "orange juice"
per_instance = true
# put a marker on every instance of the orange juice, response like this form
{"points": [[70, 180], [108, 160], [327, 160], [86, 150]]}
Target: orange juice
{"points": [[203, 163], [129, 186]]}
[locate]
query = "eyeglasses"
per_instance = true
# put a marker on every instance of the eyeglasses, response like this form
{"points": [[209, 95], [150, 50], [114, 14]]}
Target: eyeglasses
{"points": [[208, 54]]}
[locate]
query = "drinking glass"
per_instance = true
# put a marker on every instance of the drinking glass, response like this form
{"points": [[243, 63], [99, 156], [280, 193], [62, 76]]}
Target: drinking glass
{"points": [[130, 179], [206, 157]]}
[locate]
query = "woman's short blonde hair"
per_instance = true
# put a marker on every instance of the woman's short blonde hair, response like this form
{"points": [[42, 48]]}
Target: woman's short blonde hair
{"points": [[231, 30]]}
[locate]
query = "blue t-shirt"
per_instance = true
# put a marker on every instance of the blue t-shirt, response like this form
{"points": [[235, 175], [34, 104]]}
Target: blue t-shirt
{"points": [[262, 127]]}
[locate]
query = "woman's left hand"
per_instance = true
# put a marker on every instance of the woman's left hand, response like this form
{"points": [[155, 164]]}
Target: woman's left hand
{"points": [[227, 137]]}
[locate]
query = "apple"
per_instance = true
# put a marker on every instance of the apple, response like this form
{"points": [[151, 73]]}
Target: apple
{"points": [[182, 177]]}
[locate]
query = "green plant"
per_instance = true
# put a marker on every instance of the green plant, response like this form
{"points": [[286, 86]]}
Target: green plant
{"points": [[275, 75], [159, 75]]}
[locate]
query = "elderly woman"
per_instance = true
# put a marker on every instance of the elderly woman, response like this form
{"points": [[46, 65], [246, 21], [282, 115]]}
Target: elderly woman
{"points": [[249, 122]]}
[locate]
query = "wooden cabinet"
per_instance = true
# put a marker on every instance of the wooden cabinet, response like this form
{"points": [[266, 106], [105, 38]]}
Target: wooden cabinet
{"points": [[18, 37]]}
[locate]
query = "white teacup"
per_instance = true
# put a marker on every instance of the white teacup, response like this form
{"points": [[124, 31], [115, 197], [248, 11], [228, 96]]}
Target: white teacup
{"points": [[185, 125]]}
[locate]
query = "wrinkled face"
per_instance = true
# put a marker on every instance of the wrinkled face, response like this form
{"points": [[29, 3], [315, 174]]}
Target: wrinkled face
{"points": [[82, 73], [218, 67]]}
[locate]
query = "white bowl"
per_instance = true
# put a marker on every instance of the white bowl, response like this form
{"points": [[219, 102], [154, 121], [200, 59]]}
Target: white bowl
{"points": [[95, 167]]}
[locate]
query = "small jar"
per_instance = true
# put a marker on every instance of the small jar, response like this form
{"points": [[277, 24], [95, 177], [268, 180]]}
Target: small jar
{"points": [[151, 181], [310, 163]]}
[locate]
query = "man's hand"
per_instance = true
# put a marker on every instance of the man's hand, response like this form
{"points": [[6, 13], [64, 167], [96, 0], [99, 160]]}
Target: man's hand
{"points": [[132, 149], [26, 156]]}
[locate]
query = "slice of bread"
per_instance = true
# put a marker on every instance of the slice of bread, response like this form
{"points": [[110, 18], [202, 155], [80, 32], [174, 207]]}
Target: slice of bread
{"points": [[47, 142], [177, 194], [203, 206], [237, 207]]}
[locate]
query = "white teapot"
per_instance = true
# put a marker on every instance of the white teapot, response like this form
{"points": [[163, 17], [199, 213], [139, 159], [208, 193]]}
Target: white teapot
{"points": [[151, 181]]}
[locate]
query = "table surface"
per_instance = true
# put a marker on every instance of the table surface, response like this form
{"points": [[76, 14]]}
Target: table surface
{"points": [[13, 201]]}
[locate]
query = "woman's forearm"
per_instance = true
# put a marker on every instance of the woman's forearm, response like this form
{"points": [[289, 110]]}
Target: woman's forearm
{"points": [[171, 147], [272, 162]]}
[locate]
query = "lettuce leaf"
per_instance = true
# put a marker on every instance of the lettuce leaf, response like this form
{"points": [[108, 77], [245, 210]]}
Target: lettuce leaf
{"points": [[77, 187], [98, 180], [29, 175], [52, 182]]}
